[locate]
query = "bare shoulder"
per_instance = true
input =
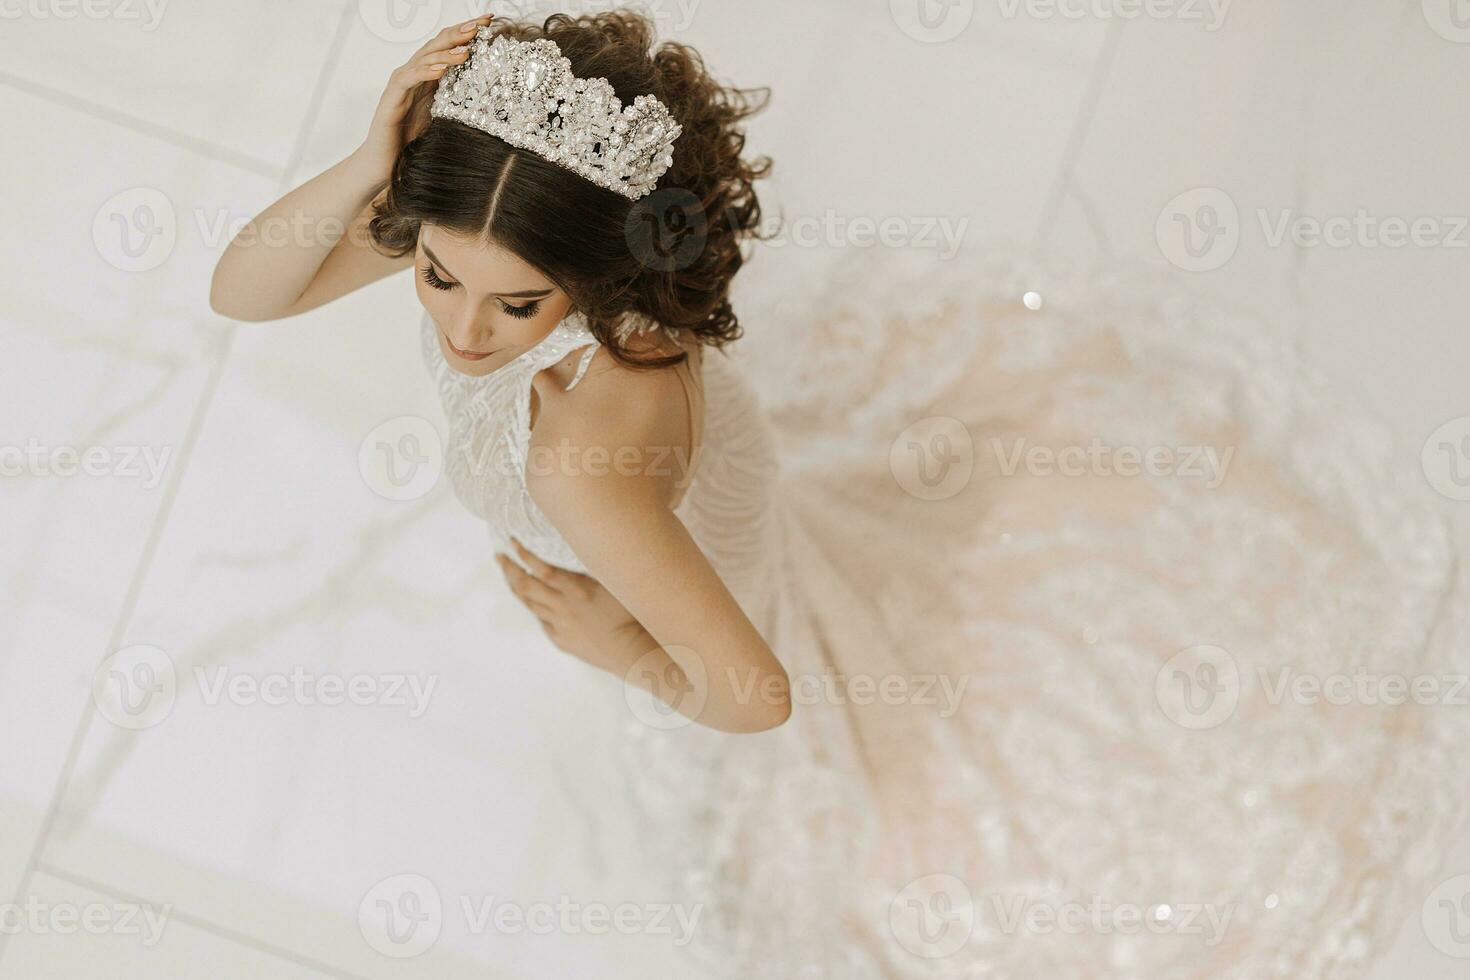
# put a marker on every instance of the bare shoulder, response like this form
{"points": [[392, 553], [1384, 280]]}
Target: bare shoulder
{"points": [[612, 436], [613, 401]]}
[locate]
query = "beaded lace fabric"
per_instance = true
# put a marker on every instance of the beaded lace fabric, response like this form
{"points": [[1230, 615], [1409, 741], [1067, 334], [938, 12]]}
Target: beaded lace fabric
{"points": [[1060, 777]]}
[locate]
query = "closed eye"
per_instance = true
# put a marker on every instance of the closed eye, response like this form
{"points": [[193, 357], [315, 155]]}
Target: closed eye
{"points": [[521, 312], [432, 278]]}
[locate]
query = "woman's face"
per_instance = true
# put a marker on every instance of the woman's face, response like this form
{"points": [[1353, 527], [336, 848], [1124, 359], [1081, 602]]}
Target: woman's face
{"points": [[489, 305]]}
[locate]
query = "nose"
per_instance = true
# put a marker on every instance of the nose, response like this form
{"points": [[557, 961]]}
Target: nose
{"points": [[464, 332]]}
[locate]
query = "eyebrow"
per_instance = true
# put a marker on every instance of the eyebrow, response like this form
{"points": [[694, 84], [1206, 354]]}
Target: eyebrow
{"points": [[523, 294]]}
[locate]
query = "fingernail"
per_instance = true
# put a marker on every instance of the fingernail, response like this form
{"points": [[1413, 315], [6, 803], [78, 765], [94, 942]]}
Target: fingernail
{"points": [[437, 67], [472, 25], [459, 50]]}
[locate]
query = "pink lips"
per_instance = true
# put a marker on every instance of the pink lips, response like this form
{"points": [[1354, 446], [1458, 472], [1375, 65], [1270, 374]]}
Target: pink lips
{"points": [[468, 355]]}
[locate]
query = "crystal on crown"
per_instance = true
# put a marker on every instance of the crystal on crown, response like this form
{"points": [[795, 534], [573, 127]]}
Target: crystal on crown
{"points": [[525, 93]]}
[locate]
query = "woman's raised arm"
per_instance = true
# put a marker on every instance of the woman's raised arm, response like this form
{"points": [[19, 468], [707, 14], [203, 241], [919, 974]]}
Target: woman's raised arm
{"points": [[311, 247]]}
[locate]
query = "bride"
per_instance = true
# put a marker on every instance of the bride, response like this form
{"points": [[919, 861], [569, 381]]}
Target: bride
{"points": [[986, 628]]}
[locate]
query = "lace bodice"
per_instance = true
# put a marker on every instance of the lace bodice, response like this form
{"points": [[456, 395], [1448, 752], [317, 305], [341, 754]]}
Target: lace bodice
{"points": [[726, 502]]}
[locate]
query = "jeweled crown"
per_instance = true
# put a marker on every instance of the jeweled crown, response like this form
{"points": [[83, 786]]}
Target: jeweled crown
{"points": [[525, 93]]}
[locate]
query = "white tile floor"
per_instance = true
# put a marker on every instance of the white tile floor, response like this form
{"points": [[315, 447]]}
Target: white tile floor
{"points": [[257, 546]]}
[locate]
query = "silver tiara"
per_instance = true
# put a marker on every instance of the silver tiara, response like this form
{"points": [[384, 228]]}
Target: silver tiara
{"points": [[525, 93]]}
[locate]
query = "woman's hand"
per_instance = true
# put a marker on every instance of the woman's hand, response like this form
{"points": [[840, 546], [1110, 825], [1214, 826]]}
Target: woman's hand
{"points": [[403, 111], [578, 615]]}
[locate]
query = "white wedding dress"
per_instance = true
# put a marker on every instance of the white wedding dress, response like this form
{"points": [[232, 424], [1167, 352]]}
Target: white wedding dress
{"points": [[1084, 706]]}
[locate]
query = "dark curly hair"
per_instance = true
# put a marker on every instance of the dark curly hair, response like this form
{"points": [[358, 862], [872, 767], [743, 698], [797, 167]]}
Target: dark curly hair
{"points": [[667, 258]]}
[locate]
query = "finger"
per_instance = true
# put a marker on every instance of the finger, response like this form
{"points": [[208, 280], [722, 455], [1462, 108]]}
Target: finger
{"points": [[540, 610], [456, 55], [548, 574], [404, 80], [452, 35], [416, 76], [528, 587]]}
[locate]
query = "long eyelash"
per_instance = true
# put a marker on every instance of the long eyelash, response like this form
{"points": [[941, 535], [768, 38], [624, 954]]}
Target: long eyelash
{"points": [[522, 312], [432, 278]]}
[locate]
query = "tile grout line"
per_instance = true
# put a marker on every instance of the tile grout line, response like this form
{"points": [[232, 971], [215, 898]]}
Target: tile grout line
{"points": [[1081, 127], [136, 124], [205, 925], [190, 440]]}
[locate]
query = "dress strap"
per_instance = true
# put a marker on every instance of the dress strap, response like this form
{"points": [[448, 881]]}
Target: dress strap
{"points": [[582, 367]]}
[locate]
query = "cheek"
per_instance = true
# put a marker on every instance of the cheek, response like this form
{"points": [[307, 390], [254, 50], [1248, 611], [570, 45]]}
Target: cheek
{"points": [[429, 296], [554, 311], [523, 333]]}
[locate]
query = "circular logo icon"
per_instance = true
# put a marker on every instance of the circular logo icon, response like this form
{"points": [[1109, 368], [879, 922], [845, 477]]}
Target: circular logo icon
{"points": [[136, 230], [136, 687], [933, 917], [402, 459], [932, 21], [401, 916], [1199, 230], [1445, 917], [933, 459], [667, 230], [401, 21], [1198, 687], [1450, 19], [666, 695], [1446, 458]]}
